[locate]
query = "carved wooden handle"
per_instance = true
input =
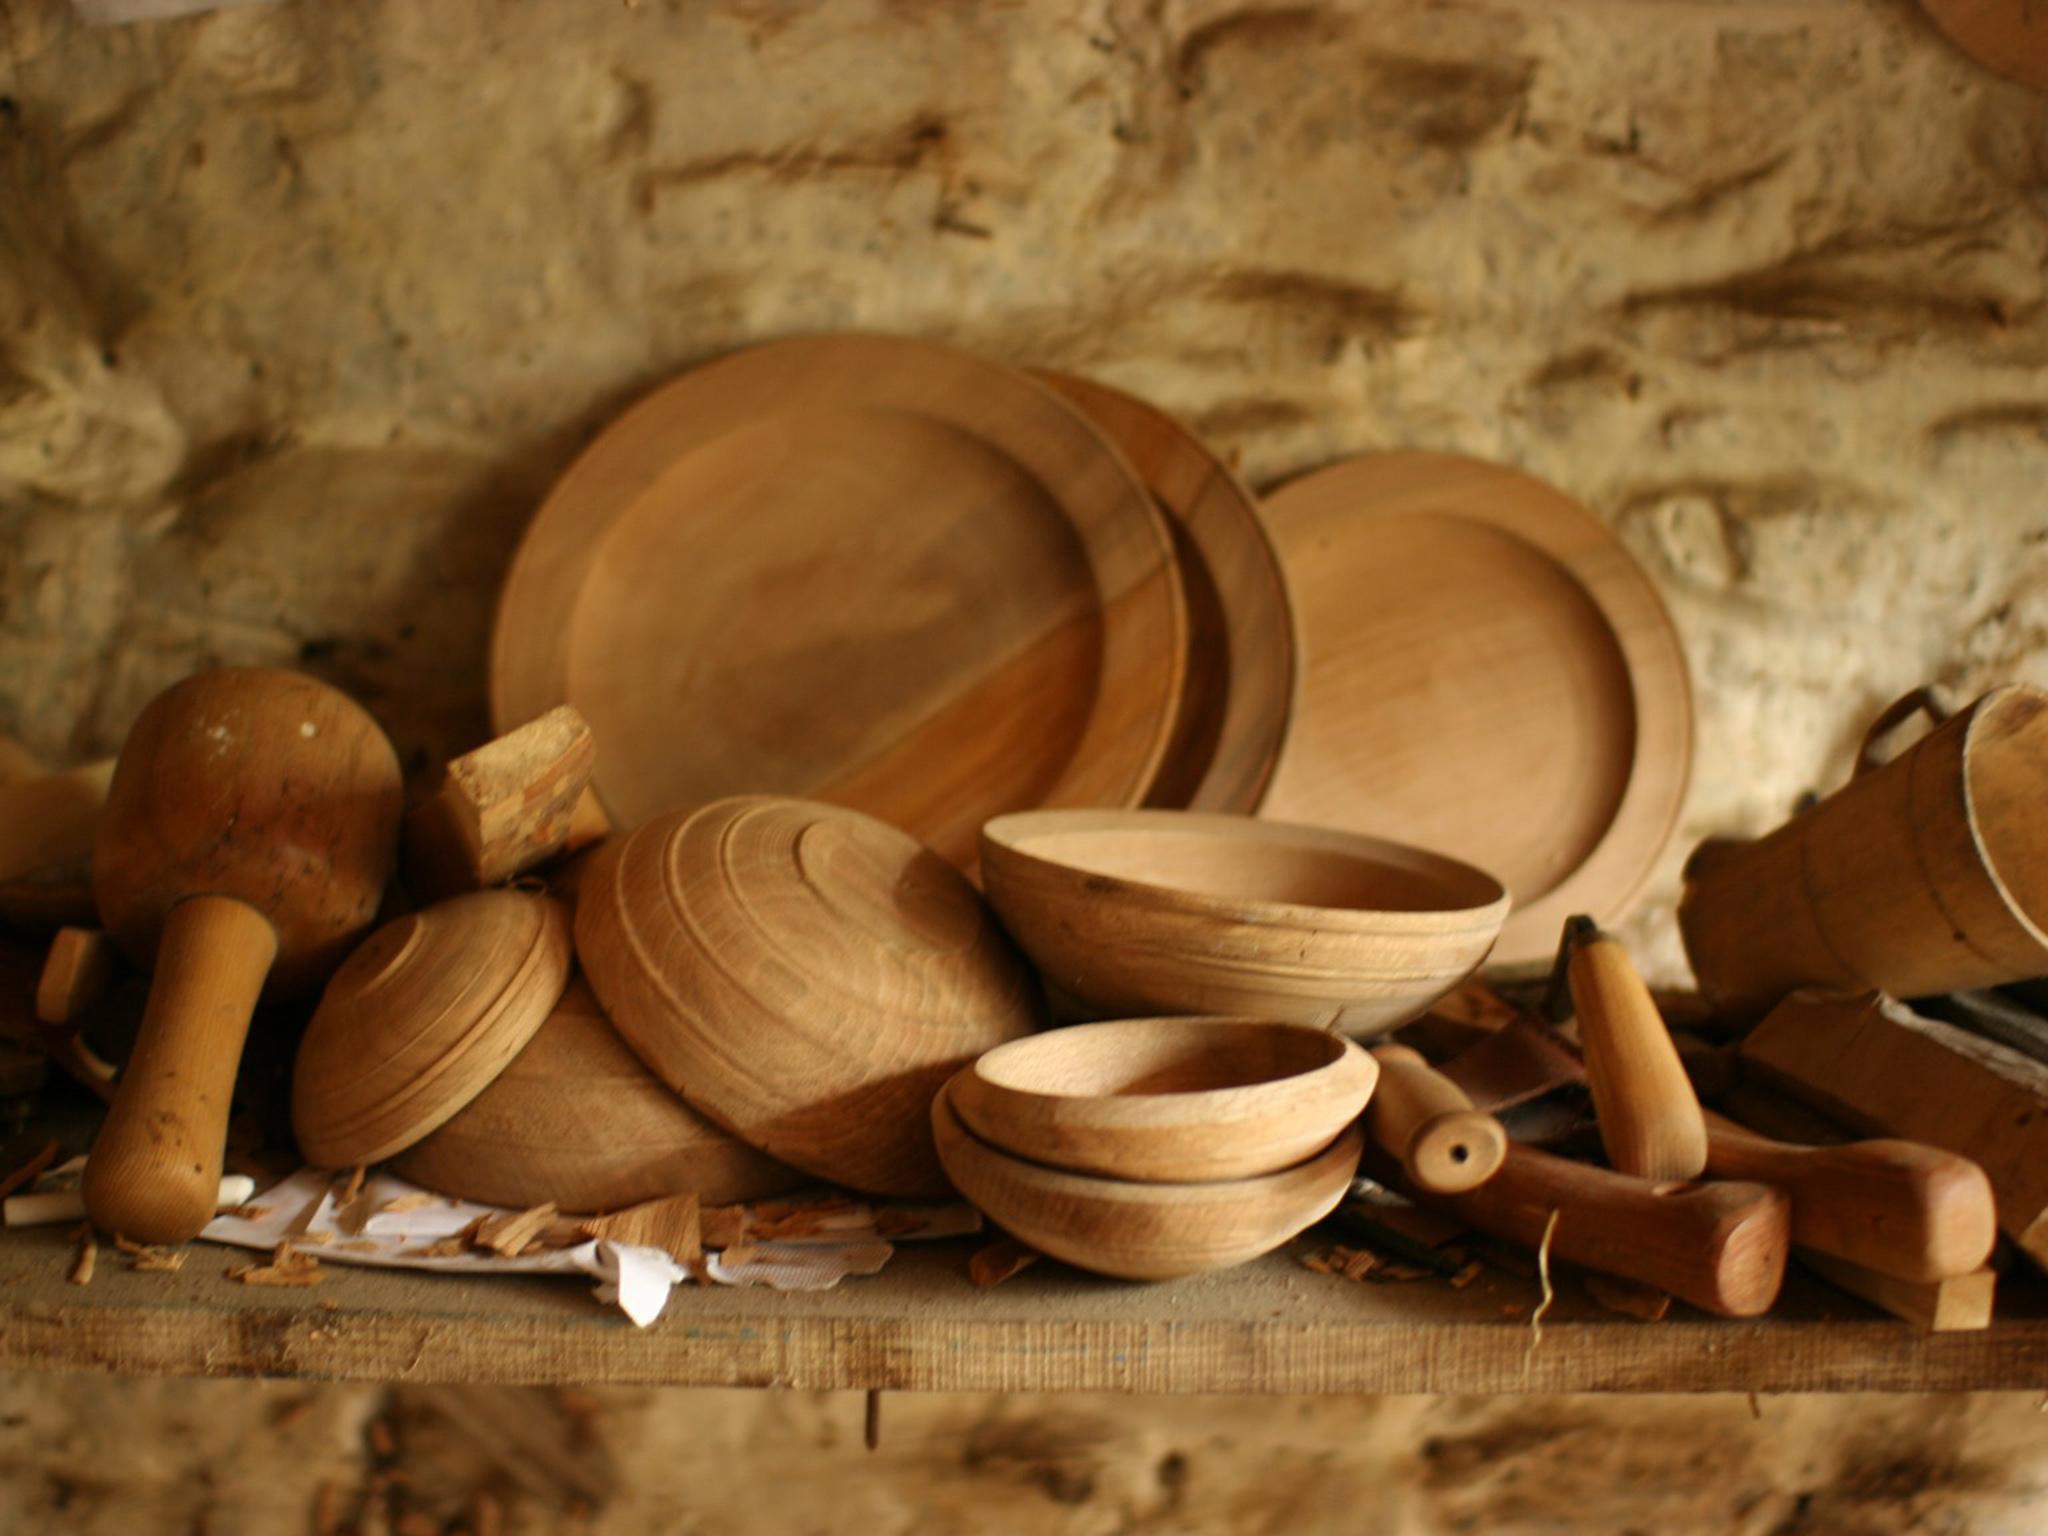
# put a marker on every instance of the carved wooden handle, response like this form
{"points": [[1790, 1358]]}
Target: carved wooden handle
{"points": [[1649, 1116], [1423, 1119]]}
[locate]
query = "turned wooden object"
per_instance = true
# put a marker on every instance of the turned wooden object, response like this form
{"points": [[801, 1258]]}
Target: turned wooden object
{"points": [[1721, 1247], [1876, 1065], [1132, 913], [578, 1121], [1648, 1114], [1142, 1231], [1902, 1209], [421, 1018], [249, 831], [1167, 1100], [1424, 1121], [507, 807]]}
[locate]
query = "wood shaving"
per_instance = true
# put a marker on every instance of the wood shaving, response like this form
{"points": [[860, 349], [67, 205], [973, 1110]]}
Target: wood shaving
{"points": [[775, 1219], [1360, 1264], [382, 1441], [740, 1253], [287, 1267], [88, 1254], [564, 1232], [720, 1226], [29, 1171], [510, 1233], [354, 1187], [1549, 1295], [160, 1261], [1322, 1263], [247, 1212], [1467, 1275], [891, 1221], [670, 1224], [418, 1200], [1400, 1272], [317, 1239], [454, 1245], [1628, 1297], [327, 1510], [1001, 1259], [353, 1215]]}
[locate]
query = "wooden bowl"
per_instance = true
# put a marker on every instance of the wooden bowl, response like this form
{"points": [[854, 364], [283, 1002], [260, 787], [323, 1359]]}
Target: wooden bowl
{"points": [[421, 1018], [1167, 1100], [1142, 1231], [806, 976], [1148, 912], [577, 1119]]}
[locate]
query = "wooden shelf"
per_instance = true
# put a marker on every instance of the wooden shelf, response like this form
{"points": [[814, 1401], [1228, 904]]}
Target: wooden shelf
{"points": [[1273, 1326]]}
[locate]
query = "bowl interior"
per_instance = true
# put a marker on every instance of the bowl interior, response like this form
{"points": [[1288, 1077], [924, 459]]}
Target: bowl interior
{"points": [[1147, 1057], [1308, 873]]}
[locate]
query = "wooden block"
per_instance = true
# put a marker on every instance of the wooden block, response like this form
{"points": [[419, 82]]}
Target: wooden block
{"points": [[505, 808], [76, 975], [670, 1224], [1955, 1305], [1875, 1064]]}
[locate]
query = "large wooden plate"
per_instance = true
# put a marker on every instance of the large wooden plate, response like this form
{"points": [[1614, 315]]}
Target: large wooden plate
{"points": [[863, 569], [1240, 682], [2009, 37], [1485, 672]]}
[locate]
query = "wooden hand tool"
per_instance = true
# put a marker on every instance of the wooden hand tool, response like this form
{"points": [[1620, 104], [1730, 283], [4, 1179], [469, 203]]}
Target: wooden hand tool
{"points": [[1875, 1064], [509, 806], [1721, 1247], [1648, 1115], [1423, 1120], [249, 831], [1901, 1209]]}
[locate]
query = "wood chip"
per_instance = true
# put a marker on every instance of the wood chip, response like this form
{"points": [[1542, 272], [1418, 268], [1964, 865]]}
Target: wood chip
{"points": [[510, 1233], [563, 1232], [720, 1226], [418, 1200], [1361, 1264], [354, 1187], [670, 1224], [161, 1261], [247, 1212], [382, 1441], [88, 1254], [893, 1221], [287, 1267], [1400, 1272], [454, 1245], [29, 1171], [1467, 1275], [327, 1509], [774, 1219], [1628, 1297], [1001, 1259], [1322, 1263]]}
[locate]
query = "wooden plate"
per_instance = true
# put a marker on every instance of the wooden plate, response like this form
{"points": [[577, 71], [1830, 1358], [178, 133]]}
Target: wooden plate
{"points": [[804, 975], [1240, 681], [862, 569], [2007, 37], [426, 1012], [577, 1120], [1485, 672]]}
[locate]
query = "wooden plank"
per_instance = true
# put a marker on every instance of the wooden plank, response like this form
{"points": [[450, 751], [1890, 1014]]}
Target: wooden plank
{"points": [[1959, 1302], [1269, 1327]]}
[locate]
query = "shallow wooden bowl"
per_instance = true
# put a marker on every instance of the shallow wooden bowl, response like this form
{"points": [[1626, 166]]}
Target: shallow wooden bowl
{"points": [[804, 975], [1168, 1100], [1141, 1231], [576, 1119], [1148, 912], [426, 1012]]}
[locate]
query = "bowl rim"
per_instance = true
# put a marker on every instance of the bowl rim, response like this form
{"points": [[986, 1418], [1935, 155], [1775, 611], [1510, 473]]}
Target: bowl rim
{"points": [[1006, 837]]}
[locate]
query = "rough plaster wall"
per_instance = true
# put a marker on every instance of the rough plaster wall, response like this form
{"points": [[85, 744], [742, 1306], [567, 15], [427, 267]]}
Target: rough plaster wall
{"points": [[302, 307]]}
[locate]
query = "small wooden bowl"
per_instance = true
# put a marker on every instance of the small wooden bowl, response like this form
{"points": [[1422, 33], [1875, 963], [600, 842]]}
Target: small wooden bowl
{"points": [[1149, 912], [1168, 1100], [577, 1120], [1142, 1231], [419, 1020]]}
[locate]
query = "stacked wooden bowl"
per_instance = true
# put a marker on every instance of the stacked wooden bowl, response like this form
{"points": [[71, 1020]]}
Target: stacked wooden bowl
{"points": [[1155, 1148]]}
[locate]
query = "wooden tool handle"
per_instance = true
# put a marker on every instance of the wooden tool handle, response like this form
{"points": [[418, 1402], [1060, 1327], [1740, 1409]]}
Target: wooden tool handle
{"points": [[1423, 1119], [1909, 1211], [1721, 1247], [154, 1171], [1649, 1117]]}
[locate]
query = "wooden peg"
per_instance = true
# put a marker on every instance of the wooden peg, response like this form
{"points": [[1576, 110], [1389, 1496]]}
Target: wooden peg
{"points": [[509, 806]]}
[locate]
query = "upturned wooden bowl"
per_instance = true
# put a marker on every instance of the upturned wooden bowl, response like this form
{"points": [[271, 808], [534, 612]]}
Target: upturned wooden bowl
{"points": [[1141, 1231], [1150, 912], [1168, 1100], [576, 1119], [804, 975], [421, 1018]]}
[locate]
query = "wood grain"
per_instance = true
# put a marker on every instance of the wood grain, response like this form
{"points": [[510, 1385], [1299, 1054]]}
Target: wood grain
{"points": [[1146, 912], [250, 829], [1240, 674], [421, 1019], [1960, 1303], [804, 975], [576, 1120], [900, 577], [1926, 875], [505, 808], [1649, 1117], [1167, 1100], [1425, 1122], [1137, 1231], [76, 974], [1484, 671], [1875, 1064]]}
